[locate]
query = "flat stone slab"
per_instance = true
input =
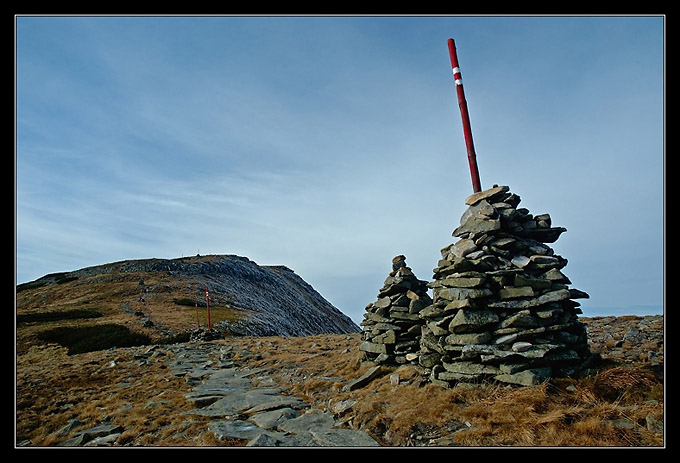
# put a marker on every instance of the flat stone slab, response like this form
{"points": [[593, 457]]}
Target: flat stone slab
{"points": [[313, 419], [340, 437], [322, 436], [229, 405], [98, 432], [364, 379], [199, 372], [484, 194], [201, 400], [245, 404], [235, 429], [271, 419], [276, 439], [261, 403]]}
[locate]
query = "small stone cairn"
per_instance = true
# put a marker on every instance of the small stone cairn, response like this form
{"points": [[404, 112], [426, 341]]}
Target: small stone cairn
{"points": [[391, 325], [502, 309]]}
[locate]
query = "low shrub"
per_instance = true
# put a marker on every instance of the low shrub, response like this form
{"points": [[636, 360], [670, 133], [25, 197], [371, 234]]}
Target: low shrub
{"points": [[58, 278], [30, 285], [55, 316], [189, 302], [93, 338], [184, 336]]}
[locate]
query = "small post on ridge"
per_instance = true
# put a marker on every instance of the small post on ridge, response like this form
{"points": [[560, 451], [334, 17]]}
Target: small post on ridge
{"points": [[207, 304]]}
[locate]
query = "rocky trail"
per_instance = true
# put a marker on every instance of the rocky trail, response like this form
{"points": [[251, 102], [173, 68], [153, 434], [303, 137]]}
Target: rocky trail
{"points": [[246, 403], [242, 404], [213, 385], [315, 391]]}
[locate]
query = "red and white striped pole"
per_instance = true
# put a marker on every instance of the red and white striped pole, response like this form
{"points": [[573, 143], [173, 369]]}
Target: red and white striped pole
{"points": [[207, 304], [467, 131]]}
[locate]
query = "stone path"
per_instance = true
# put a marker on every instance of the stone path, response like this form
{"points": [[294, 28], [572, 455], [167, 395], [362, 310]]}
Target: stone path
{"points": [[245, 404]]}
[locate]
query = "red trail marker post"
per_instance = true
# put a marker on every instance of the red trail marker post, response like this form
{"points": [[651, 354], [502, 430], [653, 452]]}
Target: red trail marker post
{"points": [[198, 321], [207, 304], [467, 131]]}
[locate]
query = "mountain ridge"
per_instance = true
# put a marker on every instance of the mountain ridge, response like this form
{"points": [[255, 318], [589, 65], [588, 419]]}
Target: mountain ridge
{"points": [[261, 300]]}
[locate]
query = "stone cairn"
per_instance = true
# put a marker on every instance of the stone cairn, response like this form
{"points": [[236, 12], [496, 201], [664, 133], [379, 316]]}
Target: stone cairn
{"points": [[391, 325], [502, 309]]}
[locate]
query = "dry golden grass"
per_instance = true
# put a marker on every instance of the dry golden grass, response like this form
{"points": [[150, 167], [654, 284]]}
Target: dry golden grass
{"points": [[606, 410], [107, 292], [399, 408]]}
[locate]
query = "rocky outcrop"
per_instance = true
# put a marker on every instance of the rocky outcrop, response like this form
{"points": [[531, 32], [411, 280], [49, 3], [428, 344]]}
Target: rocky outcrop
{"points": [[274, 300], [391, 325], [502, 308], [628, 339]]}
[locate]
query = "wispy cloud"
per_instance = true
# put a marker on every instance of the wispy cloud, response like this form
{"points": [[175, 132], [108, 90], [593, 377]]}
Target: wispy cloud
{"points": [[332, 144]]}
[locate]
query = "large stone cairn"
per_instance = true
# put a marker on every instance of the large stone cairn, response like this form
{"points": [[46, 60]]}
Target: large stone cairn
{"points": [[502, 309], [391, 325]]}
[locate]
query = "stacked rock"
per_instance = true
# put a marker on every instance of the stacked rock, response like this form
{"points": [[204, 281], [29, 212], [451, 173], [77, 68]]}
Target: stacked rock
{"points": [[502, 308], [391, 325]]}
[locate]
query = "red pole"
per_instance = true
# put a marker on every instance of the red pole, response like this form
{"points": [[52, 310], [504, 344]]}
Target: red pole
{"points": [[198, 321], [207, 303], [467, 131]]}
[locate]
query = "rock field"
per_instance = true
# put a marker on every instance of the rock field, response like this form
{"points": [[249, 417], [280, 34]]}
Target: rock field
{"points": [[628, 339]]}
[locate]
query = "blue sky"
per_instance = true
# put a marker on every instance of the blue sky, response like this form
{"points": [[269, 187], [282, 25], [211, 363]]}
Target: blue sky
{"points": [[332, 144]]}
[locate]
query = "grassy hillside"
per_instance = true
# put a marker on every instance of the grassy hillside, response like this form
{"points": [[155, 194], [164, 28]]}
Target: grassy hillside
{"points": [[151, 312]]}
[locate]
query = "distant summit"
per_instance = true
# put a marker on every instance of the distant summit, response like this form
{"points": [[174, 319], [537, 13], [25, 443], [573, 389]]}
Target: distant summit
{"points": [[169, 295]]}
